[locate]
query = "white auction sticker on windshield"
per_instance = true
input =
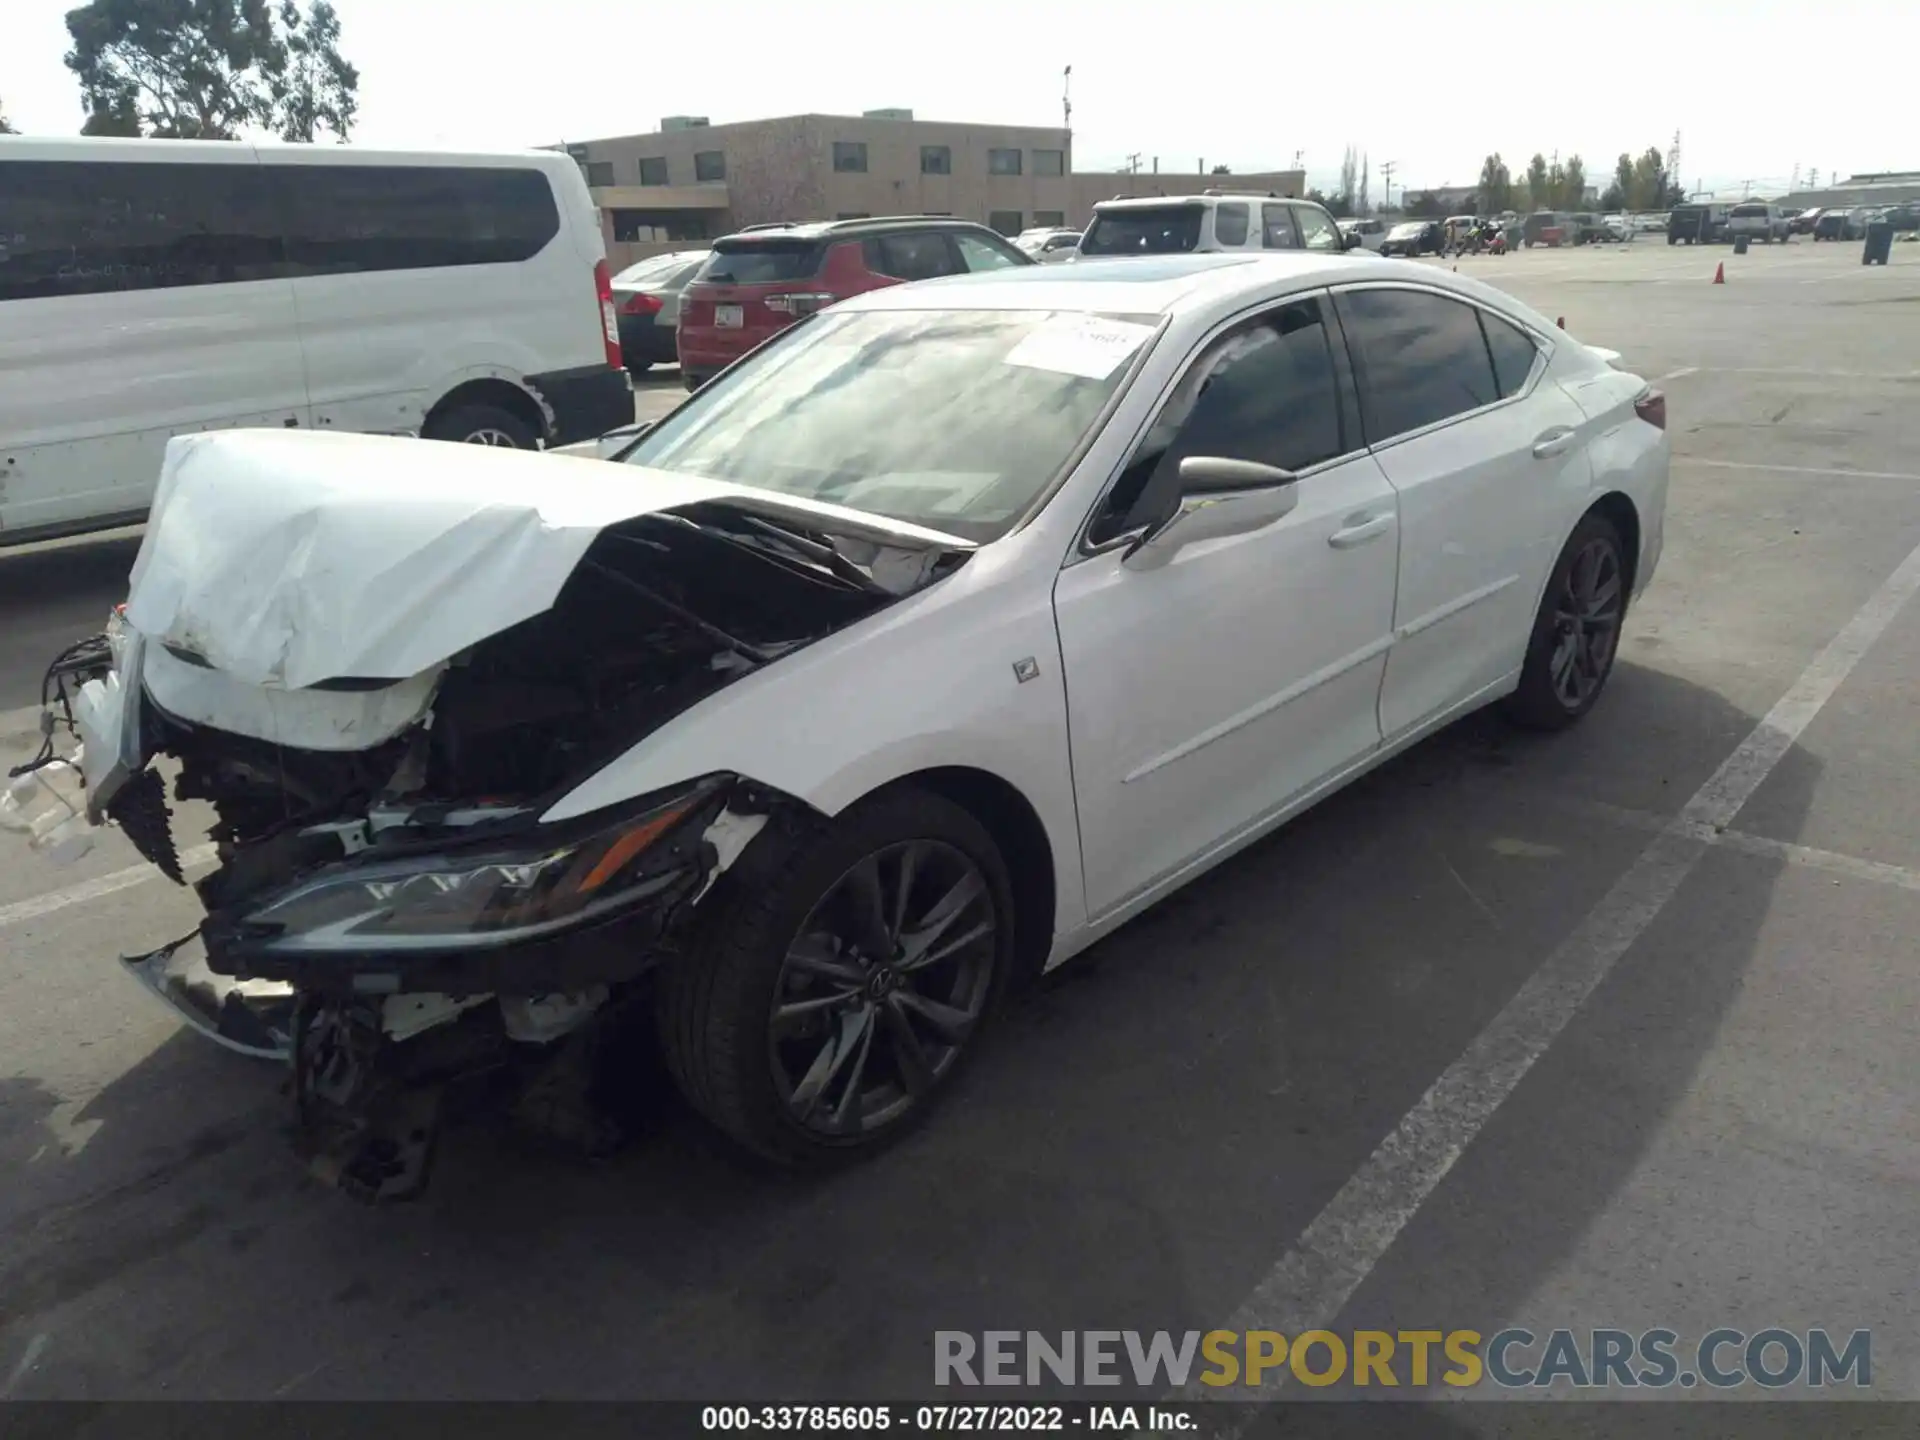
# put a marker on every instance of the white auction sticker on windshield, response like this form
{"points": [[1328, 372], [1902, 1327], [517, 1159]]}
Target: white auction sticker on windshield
{"points": [[1087, 345]]}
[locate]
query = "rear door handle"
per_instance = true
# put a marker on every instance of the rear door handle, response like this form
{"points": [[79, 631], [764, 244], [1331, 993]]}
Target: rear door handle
{"points": [[1359, 531], [1554, 442]]}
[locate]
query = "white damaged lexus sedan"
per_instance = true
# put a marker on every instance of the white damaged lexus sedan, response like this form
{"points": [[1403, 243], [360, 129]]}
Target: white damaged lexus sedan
{"points": [[923, 647]]}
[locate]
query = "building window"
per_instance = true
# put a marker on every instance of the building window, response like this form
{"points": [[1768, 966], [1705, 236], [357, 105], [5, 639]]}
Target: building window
{"points": [[1003, 162], [936, 160], [653, 170], [653, 227], [1049, 162], [850, 156], [1056, 218], [599, 172], [1007, 222], [709, 165]]}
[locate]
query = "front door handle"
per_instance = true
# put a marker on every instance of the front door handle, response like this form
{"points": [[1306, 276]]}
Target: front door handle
{"points": [[1554, 442], [1359, 531]]}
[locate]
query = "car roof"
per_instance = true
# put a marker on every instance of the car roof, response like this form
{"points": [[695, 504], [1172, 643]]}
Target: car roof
{"points": [[839, 229], [1161, 202], [1147, 285]]}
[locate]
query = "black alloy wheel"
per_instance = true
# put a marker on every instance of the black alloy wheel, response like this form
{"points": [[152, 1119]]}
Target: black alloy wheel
{"points": [[882, 987], [1576, 633]]}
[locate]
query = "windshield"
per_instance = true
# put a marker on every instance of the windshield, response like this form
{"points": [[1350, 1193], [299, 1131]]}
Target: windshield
{"points": [[655, 267], [956, 420], [760, 262], [1147, 230]]}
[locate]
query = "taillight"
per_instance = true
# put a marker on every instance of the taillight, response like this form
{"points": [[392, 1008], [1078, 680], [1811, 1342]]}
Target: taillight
{"points": [[609, 322], [1652, 407], [640, 305], [801, 302]]}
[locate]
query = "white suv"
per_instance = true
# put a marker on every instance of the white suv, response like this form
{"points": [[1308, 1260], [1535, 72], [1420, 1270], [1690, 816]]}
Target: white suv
{"points": [[1758, 220], [1207, 224]]}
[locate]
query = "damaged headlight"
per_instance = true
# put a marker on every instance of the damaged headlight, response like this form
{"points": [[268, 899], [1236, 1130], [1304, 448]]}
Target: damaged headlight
{"points": [[492, 896]]}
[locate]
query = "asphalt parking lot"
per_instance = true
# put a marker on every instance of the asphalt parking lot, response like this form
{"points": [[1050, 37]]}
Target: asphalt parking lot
{"points": [[1614, 1028]]}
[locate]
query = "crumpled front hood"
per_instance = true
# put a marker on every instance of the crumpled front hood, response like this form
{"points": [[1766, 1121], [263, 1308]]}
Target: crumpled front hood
{"points": [[287, 558]]}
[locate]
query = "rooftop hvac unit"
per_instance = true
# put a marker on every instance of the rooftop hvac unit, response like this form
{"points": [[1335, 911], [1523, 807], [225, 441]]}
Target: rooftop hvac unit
{"points": [[888, 114], [684, 122]]}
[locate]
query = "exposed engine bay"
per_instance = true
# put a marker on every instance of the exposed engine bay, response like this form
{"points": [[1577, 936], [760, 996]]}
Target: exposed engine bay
{"points": [[387, 914]]}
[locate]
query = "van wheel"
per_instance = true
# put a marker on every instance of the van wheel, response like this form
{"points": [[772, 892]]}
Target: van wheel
{"points": [[481, 425]]}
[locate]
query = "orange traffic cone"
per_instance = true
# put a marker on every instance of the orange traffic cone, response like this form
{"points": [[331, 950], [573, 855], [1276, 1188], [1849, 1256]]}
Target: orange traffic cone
{"points": [[1720, 273]]}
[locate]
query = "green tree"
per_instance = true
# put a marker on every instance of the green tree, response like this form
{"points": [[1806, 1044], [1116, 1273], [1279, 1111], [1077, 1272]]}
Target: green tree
{"points": [[1573, 184], [1622, 186], [1496, 185], [1426, 204], [1539, 191], [1649, 180], [316, 89], [208, 69]]}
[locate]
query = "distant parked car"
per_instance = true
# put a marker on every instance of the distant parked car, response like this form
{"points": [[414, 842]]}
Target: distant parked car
{"points": [[1211, 223], [1651, 222], [757, 283], [1415, 237], [1841, 223], [1697, 224], [1364, 232], [1586, 228], [1803, 223], [646, 297], [1618, 228], [1547, 227], [1758, 220], [1050, 244]]}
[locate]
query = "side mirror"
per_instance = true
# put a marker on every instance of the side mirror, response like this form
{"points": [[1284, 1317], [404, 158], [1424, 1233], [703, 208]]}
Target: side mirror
{"points": [[615, 443], [1355, 240], [1218, 497]]}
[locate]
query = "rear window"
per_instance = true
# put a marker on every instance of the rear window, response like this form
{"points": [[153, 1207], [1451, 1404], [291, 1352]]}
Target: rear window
{"points": [[1749, 212], [1148, 230], [760, 262]]}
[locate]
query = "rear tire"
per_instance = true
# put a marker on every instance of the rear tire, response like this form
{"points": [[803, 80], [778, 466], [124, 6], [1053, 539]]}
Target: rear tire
{"points": [[481, 425], [1576, 634], [784, 1033]]}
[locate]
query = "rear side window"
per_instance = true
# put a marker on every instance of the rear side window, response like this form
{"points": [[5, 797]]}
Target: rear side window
{"points": [[1513, 353], [1230, 224], [347, 219], [1157, 230], [760, 262], [85, 228], [1424, 355], [911, 256], [1276, 228]]}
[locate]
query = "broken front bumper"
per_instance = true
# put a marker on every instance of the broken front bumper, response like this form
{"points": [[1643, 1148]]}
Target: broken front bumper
{"points": [[251, 1017]]}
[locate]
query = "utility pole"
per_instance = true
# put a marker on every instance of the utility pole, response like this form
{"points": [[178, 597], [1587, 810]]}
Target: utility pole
{"points": [[1066, 99], [1387, 167]]}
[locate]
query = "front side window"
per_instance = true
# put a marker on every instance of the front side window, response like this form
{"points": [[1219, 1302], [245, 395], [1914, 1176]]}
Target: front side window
{"points": [[1230, 224], [1003, 162], [1425, 357], [977, 254], [936, 160], [988, 407], [1266, 391], [1317, 230], [1144, 230], [1276, 228], [850, 156], [710, 165]]}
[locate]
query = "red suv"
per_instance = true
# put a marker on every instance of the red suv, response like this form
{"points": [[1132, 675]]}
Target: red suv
{"points": [[760, 281]]}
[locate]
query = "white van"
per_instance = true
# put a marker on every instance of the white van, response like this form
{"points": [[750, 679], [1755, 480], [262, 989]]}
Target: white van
{"points": [[1758, 220], [152, 288]]}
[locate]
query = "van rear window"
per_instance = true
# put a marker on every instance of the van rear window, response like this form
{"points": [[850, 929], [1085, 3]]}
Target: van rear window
{"points": [[760, 262], [1143, 230]]}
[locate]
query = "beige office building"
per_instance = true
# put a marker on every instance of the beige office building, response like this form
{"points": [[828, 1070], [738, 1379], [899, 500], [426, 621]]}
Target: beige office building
{"points": [[690, 181]]}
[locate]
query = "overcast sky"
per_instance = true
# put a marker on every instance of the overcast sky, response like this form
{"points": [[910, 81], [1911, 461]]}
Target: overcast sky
{"points": [[1755, 86]]}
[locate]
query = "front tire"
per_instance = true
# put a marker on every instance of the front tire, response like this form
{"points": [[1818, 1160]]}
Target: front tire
{"points": [[1576, 634], [481, 425], [840, 976]]}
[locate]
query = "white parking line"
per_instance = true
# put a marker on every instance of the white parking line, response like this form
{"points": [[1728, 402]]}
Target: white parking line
{"points": [[1795, 469], [1340, 1247], [35, 906]]}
